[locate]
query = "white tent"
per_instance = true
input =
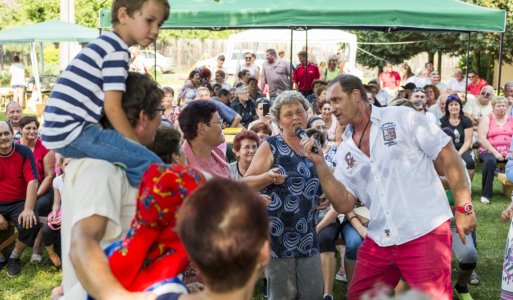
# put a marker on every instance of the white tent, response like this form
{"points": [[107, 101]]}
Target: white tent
{"points": [[321, 43]]}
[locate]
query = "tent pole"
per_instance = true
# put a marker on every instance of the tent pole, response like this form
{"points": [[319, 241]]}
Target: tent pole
{"points": [[291, 46], [155, 60], [501, 48], [306, 67], [468, 65], [42, 58]]}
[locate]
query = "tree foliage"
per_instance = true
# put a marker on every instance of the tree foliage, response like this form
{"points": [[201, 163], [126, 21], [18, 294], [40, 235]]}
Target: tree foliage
{"points": [[484, 47]]}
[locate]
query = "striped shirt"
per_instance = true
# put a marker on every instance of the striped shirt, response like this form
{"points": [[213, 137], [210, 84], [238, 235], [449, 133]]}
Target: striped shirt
{"points": [[77, 98]]}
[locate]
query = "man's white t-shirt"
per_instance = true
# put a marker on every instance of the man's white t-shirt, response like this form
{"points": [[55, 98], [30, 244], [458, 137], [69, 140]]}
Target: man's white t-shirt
{"points": [[93, 187]]}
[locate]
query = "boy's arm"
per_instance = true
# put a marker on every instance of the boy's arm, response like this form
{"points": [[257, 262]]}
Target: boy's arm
{"points": [[116, 115]]}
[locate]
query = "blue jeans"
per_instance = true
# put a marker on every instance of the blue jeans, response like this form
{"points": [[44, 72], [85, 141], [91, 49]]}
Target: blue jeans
{"points": [[353, 240], [110, 145]]}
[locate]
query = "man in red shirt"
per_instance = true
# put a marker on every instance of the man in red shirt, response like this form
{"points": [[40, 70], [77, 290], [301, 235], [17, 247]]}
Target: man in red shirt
{"points": [[303, 80], [476, 83], [389, 80], [18, 190]]}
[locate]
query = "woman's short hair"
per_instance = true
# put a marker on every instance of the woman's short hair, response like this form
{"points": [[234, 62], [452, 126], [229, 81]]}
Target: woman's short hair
{"points": [[261, 127], [244, 134], [192, 114], [434, 88], [321, 104], [495, 100], [166, 142], [24, 121], [286, 98], [223, 226], [320, 89]]}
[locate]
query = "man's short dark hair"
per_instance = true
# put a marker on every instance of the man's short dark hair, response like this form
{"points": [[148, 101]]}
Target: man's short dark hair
{"points": [[271, 51], [223, 93], [133, 6], [221, 57], [166, 142], [349, 83], [142, 94]]}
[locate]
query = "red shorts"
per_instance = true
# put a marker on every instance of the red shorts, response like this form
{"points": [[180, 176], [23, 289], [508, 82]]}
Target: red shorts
{"points": [[425, 263]]}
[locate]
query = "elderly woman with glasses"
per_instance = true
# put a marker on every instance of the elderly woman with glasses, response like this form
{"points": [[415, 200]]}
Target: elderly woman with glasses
{"points": [[202, 129], [281, 170], [244, 106], [461, 125], [494, 134]]}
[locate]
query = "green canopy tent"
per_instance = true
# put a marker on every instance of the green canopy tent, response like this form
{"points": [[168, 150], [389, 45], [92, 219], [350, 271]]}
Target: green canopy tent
{"points": [[442, 15], [48, 31], [392, 15]]}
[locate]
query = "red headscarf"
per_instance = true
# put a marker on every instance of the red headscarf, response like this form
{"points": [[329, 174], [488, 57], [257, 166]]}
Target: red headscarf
{"points": [[152, 252]]}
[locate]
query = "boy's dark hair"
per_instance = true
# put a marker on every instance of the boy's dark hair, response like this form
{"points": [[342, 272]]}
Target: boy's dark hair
{"points": [[166, 143], [142, 94], [134, 5], [223, 93]]}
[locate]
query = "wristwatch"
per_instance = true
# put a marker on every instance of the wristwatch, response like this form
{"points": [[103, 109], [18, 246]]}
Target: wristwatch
{"points": [[467, 209]]}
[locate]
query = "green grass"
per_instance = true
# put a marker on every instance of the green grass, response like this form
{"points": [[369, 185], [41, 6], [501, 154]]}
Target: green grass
{"points": [[36, 282]]}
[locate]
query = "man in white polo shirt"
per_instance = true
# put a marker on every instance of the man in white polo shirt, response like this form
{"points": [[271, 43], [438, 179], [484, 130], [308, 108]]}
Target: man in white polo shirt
{"points": [[387, 161]]}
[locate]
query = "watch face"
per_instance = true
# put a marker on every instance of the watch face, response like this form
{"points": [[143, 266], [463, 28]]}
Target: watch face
{"points": [[468, 208]]}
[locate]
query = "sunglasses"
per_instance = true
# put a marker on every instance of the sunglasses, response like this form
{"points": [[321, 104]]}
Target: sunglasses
{"points": [[486, 94], [472, 76], [249, 57], [419, 90], [453, 97]]}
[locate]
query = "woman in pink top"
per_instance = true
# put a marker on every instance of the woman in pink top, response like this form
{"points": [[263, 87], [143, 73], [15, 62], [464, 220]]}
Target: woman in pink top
{"points": [[494, 135], [203, 133]]}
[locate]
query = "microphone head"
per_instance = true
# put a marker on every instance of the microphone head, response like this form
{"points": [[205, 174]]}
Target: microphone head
{"points": [[300, 133]]}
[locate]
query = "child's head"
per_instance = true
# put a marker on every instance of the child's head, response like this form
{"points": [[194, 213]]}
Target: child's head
{"points": [[139, 21], [169, 94]]}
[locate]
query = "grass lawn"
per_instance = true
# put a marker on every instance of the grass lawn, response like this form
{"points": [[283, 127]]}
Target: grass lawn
{"points": [[36, 282]]}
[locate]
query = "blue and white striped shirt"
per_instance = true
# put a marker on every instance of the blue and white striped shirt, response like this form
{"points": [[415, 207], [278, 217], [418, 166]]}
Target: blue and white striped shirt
{"points": [[77, 98]]}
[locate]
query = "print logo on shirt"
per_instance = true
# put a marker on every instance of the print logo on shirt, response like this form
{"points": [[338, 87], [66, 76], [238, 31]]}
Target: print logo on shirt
{"points": [[350, 161], [389, 136]]}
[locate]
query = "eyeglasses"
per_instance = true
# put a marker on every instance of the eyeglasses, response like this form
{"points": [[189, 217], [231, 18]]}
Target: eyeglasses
{"points": [[486, 94], [161, 109], [471, 76], [247, 57]]}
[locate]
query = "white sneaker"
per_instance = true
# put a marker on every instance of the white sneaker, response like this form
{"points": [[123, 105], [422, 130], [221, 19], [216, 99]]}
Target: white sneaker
{"points": [[485, 200], [342, 278]]}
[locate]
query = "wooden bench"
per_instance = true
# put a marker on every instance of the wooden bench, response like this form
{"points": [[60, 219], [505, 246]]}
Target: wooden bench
{"points": [[7, 239], [507, 186]]}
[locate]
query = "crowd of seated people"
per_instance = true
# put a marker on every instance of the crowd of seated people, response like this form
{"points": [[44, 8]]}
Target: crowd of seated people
{"points": [[268, 158]]}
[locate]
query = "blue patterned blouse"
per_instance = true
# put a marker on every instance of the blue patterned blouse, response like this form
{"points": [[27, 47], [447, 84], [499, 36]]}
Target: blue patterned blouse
{"points": [[293, 206]]}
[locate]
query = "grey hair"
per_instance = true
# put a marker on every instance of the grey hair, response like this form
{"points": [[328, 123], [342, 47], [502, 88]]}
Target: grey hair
{"points": [[241, 89], [287, 98], [498, 99], [507, 85]]}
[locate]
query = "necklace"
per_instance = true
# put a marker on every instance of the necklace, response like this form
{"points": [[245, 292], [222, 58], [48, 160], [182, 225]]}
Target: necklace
{"points": [[363, 132]]}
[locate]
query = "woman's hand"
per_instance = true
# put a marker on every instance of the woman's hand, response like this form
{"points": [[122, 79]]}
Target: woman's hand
{"points": [[498, 156], [266, 199], [275, 177]]}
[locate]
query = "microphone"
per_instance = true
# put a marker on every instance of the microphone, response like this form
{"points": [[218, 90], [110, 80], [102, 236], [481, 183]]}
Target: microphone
{"points": [[300, 133]]}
